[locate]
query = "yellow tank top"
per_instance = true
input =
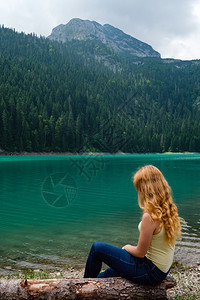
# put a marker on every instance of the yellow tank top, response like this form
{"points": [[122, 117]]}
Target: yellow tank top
{"points": [[160, 252]]}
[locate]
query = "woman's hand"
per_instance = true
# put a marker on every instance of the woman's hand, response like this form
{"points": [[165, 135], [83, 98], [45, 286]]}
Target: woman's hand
{"points": [[126, 247], [130, 249]]}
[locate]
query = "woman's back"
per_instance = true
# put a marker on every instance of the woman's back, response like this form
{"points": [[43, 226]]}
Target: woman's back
{"points": [[160, 252]]}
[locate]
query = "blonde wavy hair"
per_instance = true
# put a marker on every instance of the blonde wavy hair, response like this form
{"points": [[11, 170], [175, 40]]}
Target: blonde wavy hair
{"points": [[154, 197]]}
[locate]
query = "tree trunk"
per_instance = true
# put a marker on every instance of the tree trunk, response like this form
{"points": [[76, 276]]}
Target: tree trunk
{"points": [[84, 288]]}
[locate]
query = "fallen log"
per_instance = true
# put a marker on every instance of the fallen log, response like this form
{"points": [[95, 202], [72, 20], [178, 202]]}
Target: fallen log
{"points": [[84, 288]]}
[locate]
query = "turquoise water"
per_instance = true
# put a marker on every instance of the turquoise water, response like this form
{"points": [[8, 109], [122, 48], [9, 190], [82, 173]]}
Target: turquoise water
{"points": [[53, 207]]}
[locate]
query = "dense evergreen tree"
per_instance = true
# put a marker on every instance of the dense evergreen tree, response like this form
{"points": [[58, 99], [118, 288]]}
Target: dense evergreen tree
{"points": [[80, 96]]}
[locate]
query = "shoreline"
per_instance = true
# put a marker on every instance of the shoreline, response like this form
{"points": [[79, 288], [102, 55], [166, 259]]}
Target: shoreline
{"points": [[187, 278], [24, 153]]}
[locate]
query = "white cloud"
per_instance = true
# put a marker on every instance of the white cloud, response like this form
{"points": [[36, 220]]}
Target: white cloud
{"points": [[170, 27]]}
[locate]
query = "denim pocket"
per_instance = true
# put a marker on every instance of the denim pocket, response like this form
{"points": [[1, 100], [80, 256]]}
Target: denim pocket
{"points": [[156, 275]]}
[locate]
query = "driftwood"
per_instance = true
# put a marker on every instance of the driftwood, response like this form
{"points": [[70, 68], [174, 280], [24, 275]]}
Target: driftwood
{"points": [[92, 288]]}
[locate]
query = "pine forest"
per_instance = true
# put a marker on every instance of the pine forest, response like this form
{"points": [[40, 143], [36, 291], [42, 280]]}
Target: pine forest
{"points": [[80, 96]]}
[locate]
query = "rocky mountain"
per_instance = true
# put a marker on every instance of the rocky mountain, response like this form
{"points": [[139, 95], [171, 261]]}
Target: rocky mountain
{"points": [[81, 96], [114, 38]]}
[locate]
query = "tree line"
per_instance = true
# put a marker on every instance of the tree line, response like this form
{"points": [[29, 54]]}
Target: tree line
{"points": [[81, 96]]}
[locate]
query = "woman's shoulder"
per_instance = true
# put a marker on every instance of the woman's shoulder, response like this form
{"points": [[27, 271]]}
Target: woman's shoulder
{"points": [[148, 221], [146, 217]]}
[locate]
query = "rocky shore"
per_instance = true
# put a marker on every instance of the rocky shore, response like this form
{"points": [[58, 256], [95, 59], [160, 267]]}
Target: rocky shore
{"points": [[187, 278], [188, 283]]}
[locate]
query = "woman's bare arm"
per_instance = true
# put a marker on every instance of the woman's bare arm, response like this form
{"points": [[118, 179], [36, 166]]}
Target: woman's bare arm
{"points": [[146, 232]]}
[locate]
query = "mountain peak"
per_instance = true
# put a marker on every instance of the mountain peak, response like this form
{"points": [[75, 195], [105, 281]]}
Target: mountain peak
{"points": [[114, 38]]}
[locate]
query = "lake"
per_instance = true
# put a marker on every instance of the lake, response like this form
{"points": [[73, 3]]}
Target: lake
{"points": [[53, 207]]}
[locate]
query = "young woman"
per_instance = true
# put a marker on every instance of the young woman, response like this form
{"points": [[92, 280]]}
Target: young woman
{"points": [[149, 262]]}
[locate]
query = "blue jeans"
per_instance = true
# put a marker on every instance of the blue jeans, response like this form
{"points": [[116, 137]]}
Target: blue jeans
{"points": [[121, 264]]}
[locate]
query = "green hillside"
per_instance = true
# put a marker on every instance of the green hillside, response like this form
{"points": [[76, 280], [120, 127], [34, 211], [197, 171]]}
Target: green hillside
{"points": [[81, 96]]}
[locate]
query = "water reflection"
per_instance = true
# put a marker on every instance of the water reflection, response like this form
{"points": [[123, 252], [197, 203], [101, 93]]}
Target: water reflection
{"points": [[36, 234]]}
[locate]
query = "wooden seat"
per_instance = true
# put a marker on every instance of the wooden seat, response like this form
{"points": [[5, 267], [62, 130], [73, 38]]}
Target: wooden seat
{"points": [[84, 288]]}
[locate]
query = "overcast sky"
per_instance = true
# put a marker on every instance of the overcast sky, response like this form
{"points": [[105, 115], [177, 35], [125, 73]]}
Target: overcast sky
{"points": [[172, 27]]}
